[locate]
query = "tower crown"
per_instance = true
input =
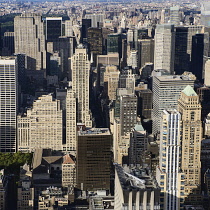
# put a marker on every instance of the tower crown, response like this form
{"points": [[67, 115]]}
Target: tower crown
{"points": [[188, 91]]}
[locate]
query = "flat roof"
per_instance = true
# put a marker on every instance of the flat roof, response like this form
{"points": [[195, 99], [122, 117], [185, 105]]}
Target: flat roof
{"points": [[94, 131]]}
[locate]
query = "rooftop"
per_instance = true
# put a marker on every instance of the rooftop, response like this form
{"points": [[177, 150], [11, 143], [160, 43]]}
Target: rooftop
{"points": [[139, 178], [188, 91], [67, 159], [95, 131], [139, 127], [173, 78]]}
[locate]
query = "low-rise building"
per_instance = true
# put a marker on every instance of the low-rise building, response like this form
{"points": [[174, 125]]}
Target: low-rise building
{"points": [[25, 190]]}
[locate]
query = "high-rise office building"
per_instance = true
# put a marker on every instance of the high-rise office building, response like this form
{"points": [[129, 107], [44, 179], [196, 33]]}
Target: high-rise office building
{"points": [[174, 15], [127, 79], [143, 33], [96, 19], [8, 103], [162, 16], [205, 13], [111, 81], [114, 44], [132, 38], [65, 47], [71, 120], [30, 40], [42, 126], [138, 144], [166, 92], [197, 56], [169, 176], [192, 30], [132, 59], [190, 109], [95, 42], [182, 58], [86, 23], [80, 66], [53, 28], [164, 47], [68, 28], [206, 55], [144, 108], [145, 51], [8, 44], [207, 73], [94, 159], [204, 95], [128, 113]]}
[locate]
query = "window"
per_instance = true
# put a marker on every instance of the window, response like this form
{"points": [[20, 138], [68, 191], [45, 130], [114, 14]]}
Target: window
{"points": [[192, 116]]}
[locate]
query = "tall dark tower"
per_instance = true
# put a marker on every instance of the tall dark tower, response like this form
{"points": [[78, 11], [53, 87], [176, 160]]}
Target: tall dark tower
{"points": [[8, 47], [95, 42], [114, 44], [182, 59], [197, 56], [53, 28], [94, 159], [86, 23]]}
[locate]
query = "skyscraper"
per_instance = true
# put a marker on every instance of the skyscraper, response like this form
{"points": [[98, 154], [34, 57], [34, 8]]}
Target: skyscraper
{"points": [[128, 113], [8, 103], [111, 81], [207, 73], [138, 144], [190, 109], [53, 28], [144, 102], [95, 42], [174, 15], [94, 159], [96, 19], [80, 66], [71, 120], [197, 56], [145, 51], [192, 30], [205, 13], [30, 40], [68, 28], [169, 175], [114, 44], [182, 58], [166, 92], [204, 95], [65, 47], [8, 44], [164, 47], [86, 23]]}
